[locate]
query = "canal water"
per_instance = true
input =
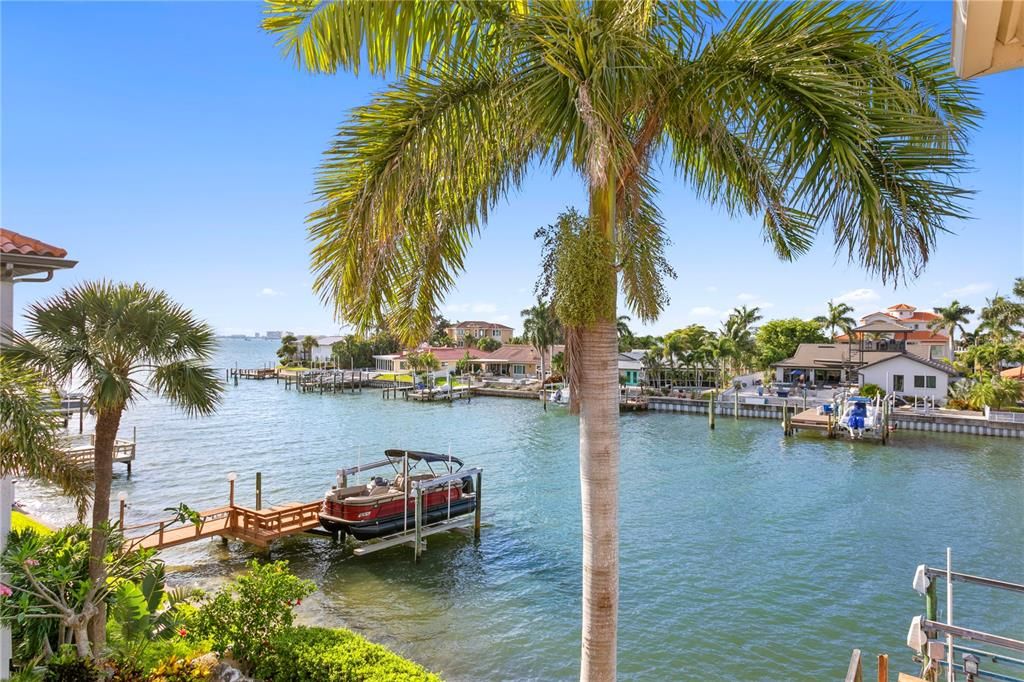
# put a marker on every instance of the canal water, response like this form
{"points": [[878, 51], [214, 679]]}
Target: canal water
{"points": [[744, 555]]}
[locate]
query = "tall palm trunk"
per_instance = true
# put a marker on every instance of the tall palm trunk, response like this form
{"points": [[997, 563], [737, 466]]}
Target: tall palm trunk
{"points": [[599, 483], [107, 423], [599, 461]]}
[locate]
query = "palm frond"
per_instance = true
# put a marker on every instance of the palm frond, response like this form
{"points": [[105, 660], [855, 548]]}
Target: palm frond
{"points": [[30, 442]]}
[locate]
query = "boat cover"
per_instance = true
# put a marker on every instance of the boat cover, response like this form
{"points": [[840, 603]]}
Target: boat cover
{"points": [[428, 457]]}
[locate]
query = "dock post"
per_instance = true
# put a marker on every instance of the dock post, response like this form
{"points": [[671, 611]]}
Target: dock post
{"points": [[785, 416], [259, 490], [418, 522], [476, 512], [736, 403], [122, 502], [883, 667], [81, 415], [711, 410]]}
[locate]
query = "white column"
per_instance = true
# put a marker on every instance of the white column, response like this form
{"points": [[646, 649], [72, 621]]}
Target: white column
{"points": [[6, 483]]}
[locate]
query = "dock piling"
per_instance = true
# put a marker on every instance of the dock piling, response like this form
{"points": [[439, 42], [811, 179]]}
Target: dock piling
{"points": [[476, 513], [259, 490], [418, 521], [711, 410]]}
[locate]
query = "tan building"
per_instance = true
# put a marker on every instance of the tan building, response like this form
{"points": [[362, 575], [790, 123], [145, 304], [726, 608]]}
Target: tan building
{"points": [[479, 330], [988, 36], [448, 357], [517, 360], [902, 327]]}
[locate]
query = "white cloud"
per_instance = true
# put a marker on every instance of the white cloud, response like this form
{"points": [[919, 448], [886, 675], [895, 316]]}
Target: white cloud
{"points": [[745, 297], [857, 296], [968, 290], [267, 291], [705, 311]]}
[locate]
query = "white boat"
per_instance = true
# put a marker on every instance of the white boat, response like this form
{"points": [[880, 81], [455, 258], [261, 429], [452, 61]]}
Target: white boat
{"points": [[560, 396], [860, 415]]}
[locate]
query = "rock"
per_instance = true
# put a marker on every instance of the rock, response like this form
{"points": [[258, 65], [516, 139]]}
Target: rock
{"points": [[225, 672]]}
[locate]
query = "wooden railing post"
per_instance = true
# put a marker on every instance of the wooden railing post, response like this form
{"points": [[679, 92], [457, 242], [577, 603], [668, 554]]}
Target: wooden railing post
{"points": [[883, 667], [855, 673]]}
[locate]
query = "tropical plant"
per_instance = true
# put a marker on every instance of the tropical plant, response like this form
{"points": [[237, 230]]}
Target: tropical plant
{"points": [[778, 339], [995, 393], [738, 328], [558, 363], [439, 336], [808, 113], [1001, 317], [871, 391], [69, 665], [624, 333], [48, 595], [30, 438], [838, 317], [951, 318], [247, 612], [118, 340], [541, 330], [144, 611], [308, 344], [489, 344], [288, 350]]}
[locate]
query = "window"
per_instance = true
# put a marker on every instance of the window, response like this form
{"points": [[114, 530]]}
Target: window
{"points": [[929, 381], [918, 381], [496, 333], [897, 382]]}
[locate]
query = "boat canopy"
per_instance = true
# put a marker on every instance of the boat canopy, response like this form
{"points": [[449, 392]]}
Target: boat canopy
{"points": [[427, 457], [858, 399]]}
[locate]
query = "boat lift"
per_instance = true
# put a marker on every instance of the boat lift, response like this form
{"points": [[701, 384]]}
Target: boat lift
{"points": [[415, 534], [934, 640]]}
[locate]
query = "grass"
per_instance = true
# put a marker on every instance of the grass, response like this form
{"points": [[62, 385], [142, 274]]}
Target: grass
{"points": [[20, 521], [400, 378]]}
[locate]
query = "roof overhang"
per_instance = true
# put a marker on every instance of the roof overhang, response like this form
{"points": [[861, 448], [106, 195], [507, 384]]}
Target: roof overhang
{"points": [[14, 265], [988, 36]]}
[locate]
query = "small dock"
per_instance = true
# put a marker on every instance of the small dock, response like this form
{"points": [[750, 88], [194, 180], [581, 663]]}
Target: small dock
{"points": [[259, 373], [329, 381], [84, 454], [435, 394], [258, 527]]}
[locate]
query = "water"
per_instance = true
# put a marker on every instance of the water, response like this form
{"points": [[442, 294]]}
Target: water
{"points": [[744, 554]]}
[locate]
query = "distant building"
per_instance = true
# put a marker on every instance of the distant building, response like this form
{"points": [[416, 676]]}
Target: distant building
{"points": [[323, 350], [902, 327], [256, 335], [479, 330], [274, 335]]}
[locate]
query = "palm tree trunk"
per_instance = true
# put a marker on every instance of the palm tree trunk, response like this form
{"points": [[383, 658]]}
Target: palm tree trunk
{"points": [[599, 482], [107, 423]]}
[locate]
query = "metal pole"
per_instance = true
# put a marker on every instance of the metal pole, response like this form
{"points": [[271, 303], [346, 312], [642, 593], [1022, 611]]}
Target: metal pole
{"points": [[81, 415], [405, 492], [711, 410], [950, 671], [419, 522], [479, 496], [259, 490]]}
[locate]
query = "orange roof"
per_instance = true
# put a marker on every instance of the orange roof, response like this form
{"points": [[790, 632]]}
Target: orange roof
{"points": [[15, 243], [446, 354], [1013, 373], [926, 336], [922, 316], [902, 306]]}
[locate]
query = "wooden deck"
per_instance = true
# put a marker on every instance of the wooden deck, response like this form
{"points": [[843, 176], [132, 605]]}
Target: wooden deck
{"points": [[810, 419], [256, 526]]}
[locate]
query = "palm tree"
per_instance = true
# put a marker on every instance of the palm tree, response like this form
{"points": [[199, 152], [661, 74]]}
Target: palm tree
{"points": [[117, 340], [30, 446], [308, 342], [540, 328], [810, 114], [653, 362], [624, 333], [838, 317], [951, 318], [739, 329]]}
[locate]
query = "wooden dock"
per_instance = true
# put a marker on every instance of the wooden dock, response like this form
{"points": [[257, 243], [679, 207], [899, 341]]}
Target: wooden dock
{"points": [[259, 373], [329, 381], [256, 526], [85, 454]]}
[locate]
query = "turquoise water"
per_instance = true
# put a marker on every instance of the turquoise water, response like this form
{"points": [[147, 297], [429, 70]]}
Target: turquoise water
{"points": [[744, 555]]}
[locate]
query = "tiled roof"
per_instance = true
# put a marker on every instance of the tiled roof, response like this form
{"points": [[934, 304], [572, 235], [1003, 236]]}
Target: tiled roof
{"points": [[922, 316], [942, 366], [515, 352], [882, 326], [14, 243], [1013, 373], [445, 354], [902, 306], [478, 323], [926, 335]]}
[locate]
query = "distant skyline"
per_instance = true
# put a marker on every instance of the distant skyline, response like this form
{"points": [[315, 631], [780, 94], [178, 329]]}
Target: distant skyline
{"points": [[170, 143]]}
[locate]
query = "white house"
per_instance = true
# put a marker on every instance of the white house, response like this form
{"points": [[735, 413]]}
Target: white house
{"points": [[322, 350], [906, 374], [906, 325]]}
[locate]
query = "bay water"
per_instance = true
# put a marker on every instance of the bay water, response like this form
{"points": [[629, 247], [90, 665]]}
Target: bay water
{"points": [[744, 555]]}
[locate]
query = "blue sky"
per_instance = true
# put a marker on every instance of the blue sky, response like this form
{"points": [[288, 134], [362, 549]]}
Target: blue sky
{"points": [[170, 143]]}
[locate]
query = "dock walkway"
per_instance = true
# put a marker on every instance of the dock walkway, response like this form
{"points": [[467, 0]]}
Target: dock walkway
{"points": [[256, 526]]}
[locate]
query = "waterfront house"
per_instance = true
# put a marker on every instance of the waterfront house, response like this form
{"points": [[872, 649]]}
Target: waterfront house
{"points": [[518, 360], [479, 330], [631, 367], [398, 363], [896, 370], [22, 260], [323, 350], [905, 326]]}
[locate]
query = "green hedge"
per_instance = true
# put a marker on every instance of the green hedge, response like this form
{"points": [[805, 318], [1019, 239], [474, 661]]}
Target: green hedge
{"points": [[307, 654]]}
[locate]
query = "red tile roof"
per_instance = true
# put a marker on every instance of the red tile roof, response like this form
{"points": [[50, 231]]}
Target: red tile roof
{"points": [[927, 336], [445, 354], [922, 316], [478, 323], [15, 243], [902, 306]]}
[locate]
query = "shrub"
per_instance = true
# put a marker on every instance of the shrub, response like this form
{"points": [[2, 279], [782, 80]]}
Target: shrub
{"points": [[241, 619], [304, 654], [871, 391], [178, 669], [66, 666]]}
